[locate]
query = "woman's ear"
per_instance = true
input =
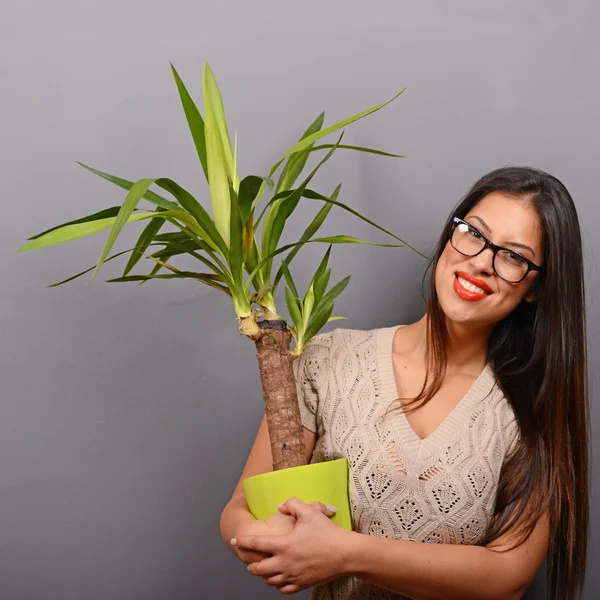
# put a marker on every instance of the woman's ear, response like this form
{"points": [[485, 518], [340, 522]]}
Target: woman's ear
{"points": [[531, 296]]}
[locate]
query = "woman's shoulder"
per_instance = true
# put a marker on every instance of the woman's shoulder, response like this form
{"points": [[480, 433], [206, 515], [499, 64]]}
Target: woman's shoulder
{"points": [[349, 338]]}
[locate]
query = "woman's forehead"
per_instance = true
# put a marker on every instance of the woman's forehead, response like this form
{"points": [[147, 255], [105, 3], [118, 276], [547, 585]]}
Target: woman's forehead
{"points": [[506, 218]]}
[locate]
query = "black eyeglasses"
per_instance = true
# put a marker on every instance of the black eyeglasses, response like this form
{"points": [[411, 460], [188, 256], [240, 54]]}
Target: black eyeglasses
{"points": [[507, 264]]}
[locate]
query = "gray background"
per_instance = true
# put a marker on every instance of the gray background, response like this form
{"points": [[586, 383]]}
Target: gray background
{"points": [[127, 412]]}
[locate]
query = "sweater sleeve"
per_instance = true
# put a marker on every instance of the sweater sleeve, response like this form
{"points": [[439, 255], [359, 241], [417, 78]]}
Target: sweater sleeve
{"points": [[311, 372]]}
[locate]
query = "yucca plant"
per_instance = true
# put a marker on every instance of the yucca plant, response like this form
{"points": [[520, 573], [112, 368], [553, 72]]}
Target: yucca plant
{"points": [[236, 259]]}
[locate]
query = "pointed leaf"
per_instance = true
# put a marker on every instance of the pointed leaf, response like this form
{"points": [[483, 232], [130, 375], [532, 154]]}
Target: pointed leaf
{"points": [[236, 241], [69, 233], [327, 240], [323, 312], [219, 155], [289, 280], [311, 139], [356, 149], [320, 285], [57, 283], [249, 188], [309, 232], [127, 185], [293, 308], [194, 119], [103, 214], [135, 194], [181, 275], [312, 195], [210, 233], [307, 305], [296, 163], [321, 269], [348, 239], [146, 237], [280, 212]]}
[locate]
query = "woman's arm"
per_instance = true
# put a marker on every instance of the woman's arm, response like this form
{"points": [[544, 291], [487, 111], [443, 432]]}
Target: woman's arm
{"points": [[236, 515], [447, 571]]}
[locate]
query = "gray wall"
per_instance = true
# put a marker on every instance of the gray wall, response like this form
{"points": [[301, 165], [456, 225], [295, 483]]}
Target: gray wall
{"points": [[127, 411]]}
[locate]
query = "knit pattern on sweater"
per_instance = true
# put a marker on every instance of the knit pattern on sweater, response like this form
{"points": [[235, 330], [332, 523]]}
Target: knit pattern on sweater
{"points": [[437, 490]]}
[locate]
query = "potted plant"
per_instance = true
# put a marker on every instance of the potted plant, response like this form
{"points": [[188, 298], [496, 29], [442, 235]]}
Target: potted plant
{"points": [[238, 261]]}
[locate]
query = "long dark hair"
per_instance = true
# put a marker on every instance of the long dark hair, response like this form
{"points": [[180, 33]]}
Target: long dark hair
{"points": [[538, 354]]}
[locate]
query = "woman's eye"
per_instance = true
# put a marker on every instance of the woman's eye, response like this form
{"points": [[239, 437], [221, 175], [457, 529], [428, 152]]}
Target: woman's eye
{"points": [[514, 258], [474, 233]]}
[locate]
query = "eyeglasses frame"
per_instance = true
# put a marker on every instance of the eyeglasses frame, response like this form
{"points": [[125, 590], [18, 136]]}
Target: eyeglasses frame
{"points": [[531, 266]]}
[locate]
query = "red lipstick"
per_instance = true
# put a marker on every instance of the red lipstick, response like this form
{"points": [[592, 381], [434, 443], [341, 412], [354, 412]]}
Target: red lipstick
{"points": [[470, 295]]}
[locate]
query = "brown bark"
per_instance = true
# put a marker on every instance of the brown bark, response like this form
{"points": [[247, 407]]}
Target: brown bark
{"points": [[279, 394]]}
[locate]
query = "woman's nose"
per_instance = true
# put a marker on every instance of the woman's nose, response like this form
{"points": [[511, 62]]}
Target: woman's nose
{"points": [[484, 262]]}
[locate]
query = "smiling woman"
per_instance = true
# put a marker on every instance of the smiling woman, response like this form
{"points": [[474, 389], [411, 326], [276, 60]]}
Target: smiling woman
{"points": [[466, 432]]}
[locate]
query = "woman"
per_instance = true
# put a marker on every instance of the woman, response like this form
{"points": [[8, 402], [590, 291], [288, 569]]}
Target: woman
{"points": [[466, 431]]}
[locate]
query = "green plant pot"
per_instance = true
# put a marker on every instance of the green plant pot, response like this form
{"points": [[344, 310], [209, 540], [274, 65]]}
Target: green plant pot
{"points": [[325, 482]]}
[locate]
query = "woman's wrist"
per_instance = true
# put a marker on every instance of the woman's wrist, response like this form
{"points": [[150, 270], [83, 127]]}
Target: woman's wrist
{"points": [[352, 548]]}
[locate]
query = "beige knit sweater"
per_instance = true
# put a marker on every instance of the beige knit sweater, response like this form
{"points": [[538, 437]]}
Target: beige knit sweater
{"points": [[438, 490]]}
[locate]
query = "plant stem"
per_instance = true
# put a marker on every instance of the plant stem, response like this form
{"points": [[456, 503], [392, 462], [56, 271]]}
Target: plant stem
{"points": [[275, 361]]}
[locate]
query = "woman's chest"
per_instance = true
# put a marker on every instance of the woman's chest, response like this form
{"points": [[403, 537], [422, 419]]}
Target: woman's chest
{"points": [[440, 489]]}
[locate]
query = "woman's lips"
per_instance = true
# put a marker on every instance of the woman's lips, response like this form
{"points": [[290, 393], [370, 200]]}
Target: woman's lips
{"points": [[470, 294]]}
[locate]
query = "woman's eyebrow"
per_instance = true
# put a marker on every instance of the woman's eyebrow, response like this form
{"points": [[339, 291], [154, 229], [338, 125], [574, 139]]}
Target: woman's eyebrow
{"points": [[514, 244]]}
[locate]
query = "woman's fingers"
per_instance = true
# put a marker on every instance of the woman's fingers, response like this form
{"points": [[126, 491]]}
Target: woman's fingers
{"points": [[289, 589], [327, 510], [276, 581], [294, 506], [250, 556]]}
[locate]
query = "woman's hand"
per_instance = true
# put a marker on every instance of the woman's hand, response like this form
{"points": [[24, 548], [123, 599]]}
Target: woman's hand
{"points": [[311, 554], [277, 524], [280, 523]]}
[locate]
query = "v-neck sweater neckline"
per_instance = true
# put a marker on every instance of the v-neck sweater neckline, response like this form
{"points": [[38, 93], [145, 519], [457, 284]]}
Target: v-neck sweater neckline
{"points": [[389, 391]]}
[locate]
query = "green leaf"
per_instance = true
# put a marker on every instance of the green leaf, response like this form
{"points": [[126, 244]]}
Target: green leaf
{"points": [[307, 305], [146, 237], [289, 280], [180, 275], [279, 213], [209, 233], [322, 265], [356, 149], [295, 163], [348, 239], [249, 188], [127, 185], [219, 155], [135, 194], [69, 233], [323, 312], [337, 319], [182, 238], [311, 139], [293, 308], [309, 232], [236, 241], [103, 214], [194, 119], [312, 195], [320, 284], [319, 320], [57, 283], [327, 240]]}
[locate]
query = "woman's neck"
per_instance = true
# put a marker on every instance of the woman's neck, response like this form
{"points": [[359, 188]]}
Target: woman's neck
{"points": [[467, 344]]}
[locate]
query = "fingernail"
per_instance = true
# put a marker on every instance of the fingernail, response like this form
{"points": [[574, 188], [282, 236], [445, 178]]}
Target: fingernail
{"points": [[332, 508], [279, 505], [248, 567], [233, 542]]}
